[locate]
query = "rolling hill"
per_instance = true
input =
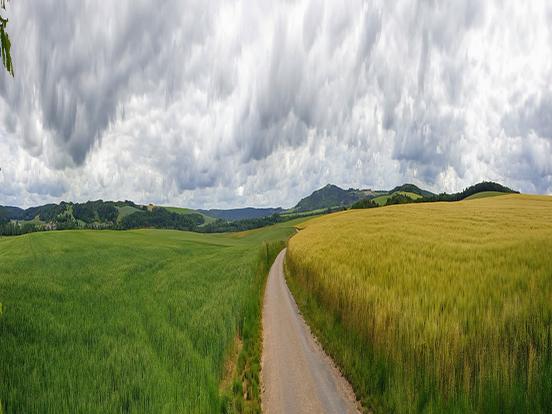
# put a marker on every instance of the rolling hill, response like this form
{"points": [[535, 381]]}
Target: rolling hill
{"points": [[485, 194], [184, 211], [241, 213], [330, 196], [411, 188]]}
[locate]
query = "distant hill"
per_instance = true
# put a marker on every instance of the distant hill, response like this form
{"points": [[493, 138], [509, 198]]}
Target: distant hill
{"points": [[69, 215], [485, 186], [411, 188], [328, 197], [485, 194], [482, 187], [181, 210], [241, 213], [408, 193], [332, 196]]}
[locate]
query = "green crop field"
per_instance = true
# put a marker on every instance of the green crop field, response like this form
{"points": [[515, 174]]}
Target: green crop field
{"points": [[132, 321], [436, 307]]}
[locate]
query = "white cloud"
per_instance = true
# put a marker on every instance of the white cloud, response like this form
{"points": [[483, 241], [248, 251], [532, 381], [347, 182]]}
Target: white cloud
{"points": [[219, 104]]}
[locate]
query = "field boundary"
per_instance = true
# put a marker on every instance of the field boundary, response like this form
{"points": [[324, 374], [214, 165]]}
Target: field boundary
{"points": [[241, 390]]}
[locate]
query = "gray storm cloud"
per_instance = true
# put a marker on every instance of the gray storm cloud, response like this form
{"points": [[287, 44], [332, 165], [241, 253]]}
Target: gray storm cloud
{"points": [[258, 102]]}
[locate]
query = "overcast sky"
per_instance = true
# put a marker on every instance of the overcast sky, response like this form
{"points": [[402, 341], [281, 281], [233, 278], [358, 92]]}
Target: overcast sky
{"points": [[233, 103]]}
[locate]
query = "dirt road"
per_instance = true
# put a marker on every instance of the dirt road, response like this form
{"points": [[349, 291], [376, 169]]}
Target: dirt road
{"points": [[297, 376]]}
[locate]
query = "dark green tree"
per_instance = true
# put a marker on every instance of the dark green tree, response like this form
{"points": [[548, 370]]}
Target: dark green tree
{"points": [[365, 203], [5, 41]]}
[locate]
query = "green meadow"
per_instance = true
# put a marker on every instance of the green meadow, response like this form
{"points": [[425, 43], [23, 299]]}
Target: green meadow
{"points": [[133, 321]]}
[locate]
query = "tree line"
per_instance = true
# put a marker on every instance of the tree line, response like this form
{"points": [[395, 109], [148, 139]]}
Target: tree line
{"points": [[398, 198]]}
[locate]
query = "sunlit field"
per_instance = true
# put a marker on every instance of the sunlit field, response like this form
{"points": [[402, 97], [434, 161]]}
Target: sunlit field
{"points": [[132, 321], [437, 307]]}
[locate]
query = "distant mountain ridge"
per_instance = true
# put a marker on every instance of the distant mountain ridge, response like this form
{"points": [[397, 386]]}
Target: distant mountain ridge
{"points": [[330, 196]]}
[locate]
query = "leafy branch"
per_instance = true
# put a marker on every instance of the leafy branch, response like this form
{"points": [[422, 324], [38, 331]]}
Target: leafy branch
{"points": [[5, 44]]}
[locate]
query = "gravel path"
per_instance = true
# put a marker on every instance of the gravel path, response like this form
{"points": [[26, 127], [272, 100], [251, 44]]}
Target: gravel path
{"points": [[297, 376]]}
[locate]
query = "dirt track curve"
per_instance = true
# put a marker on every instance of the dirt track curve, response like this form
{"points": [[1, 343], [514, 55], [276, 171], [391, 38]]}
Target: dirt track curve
{"points": [[297, 376]]}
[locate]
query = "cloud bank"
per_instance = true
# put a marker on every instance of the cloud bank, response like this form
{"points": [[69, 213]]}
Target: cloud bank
{"points": [[234, 103]]}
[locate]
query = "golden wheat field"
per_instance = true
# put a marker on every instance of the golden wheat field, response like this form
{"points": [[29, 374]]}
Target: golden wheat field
{"points": [[434, 307]]}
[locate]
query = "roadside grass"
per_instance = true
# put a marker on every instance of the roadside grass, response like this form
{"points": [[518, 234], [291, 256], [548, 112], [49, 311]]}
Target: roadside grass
{"points": [[132, 321], [437, 307]]}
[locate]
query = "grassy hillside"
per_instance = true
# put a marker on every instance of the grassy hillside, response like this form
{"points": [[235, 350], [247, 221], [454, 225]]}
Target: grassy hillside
{"points": [[381, 200], [484, 194], [133, 321], [247, 213], [328, 197], [181, 210], [438, 307], [411, 188], [126, 211]]}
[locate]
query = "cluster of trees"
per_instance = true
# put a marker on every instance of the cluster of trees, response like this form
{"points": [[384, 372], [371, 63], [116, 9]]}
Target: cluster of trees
{"points": [[161, 218], [365, 203], [47, 212], [474, 189], [398, 198], [14, 229], [92, 211], [63, 216]]}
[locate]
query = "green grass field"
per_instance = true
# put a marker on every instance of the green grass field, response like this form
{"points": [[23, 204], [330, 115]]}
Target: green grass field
{"points": [[131, 321], [381, 200], [437, 307]]}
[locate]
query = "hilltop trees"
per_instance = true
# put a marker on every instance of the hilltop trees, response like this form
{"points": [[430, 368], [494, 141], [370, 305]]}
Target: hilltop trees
{"points": [[364, 203], [91, 211], [162, 218], [474, 189]]}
